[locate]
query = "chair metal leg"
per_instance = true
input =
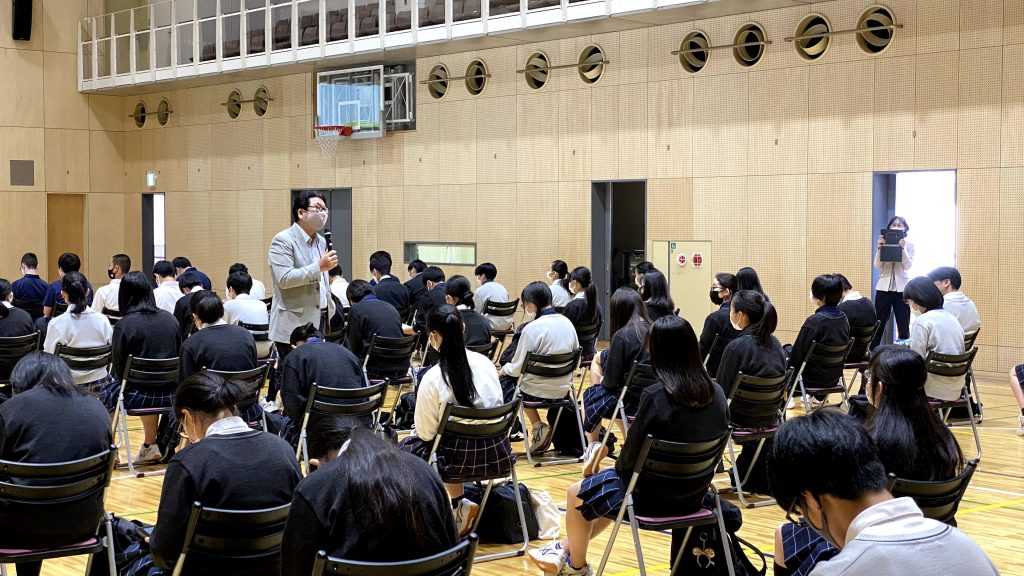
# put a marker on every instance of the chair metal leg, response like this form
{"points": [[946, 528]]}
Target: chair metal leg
{"points": [[127, 441], [746, 477], [526, 439], [679, 555], [635, 528], [974, 425], [108, 520], [522, 523], [615, 532], [725, 535]]}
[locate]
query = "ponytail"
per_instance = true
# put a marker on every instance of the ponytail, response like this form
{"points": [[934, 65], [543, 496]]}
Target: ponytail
{"points": [[582, 276], [452, 357], [458, 287], [5, 291], [76, 287], [209, 393], [762, 315]]}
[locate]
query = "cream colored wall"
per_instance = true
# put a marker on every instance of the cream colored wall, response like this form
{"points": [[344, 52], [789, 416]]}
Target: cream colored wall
{"points": [[76, 141], [773, 164]]}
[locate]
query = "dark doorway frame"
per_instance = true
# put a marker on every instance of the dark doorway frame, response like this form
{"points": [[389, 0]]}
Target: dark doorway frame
{"points": [[605, 231]]}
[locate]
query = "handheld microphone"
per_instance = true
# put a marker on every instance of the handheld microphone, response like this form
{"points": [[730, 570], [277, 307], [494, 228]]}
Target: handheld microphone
{"points": [[327, 236]]}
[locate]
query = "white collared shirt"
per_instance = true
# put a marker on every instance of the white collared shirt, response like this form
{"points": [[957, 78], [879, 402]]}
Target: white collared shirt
{"points": [[229, 425], [245, 308], [106, 296], [167, 295], [89, 329], [314, 250], [559, 295], [338, 288], [258, 290]]}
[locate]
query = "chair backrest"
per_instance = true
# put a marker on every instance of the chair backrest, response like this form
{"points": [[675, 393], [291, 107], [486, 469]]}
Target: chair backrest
{"points": [[407, 314], [954, 365], [327, 401], [92, 358], [588, 332], [970, 339], [760, 398], [689, 465], [560, 309], [13, 348], [457, 561], [234, 534], [33, 307], [862, 337], [717, 347], [260, 332], [487, 349], [338, 336], [481, 423], [827, 355], [269, 302], [501, 308], [111, 313], [62, 483], [152, 372], [252, 379], [58, 309], [938, 500], [384, 348], [640, 376], [552, 365]]}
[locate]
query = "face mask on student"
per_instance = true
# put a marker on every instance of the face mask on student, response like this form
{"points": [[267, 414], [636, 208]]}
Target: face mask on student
{"points": [[110, 273], [716, 298]]}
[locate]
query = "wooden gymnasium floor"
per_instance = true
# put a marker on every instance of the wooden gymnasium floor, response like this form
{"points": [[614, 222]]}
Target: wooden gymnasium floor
{"points": [[992, 512]]}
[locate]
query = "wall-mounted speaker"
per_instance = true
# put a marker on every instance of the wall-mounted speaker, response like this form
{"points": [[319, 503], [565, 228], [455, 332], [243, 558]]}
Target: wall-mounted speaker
{"points": [[21, 19]]}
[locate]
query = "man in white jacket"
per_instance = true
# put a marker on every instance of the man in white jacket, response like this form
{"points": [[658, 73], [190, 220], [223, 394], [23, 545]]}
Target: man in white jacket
{"points": [[948, 280]]}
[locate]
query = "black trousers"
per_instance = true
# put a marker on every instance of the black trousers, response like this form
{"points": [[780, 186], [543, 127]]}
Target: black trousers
{"points": [[891, 304], [283, 349]]}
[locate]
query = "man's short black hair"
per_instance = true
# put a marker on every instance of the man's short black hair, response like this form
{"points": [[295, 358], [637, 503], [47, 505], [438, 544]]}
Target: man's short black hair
{"points": [[165, 269], [827, 288], [357, 290], [947, 273], [29, 260], [417, 265], [238, 267], [381, 262], [433, 274], [207, 307], [69, 262], [189, 280], [488, 270], [329, 434], [924, 291], [301, 202], [122, 261], [844, 280], [181, 262], [824, 452], [303, 333], [336, 271], [240, 282]]}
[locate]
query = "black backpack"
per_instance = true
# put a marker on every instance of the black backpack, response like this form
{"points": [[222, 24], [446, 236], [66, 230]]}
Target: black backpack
{"points": [[500, 522], [704, 554]]}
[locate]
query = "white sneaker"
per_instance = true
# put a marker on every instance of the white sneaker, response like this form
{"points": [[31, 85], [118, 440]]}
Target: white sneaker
{"points": [[149, 455], [791, 404], [570, 571], [550, 559], [465, 514], [592, 457], [540, 438], [271, 405], [1020, 422]]}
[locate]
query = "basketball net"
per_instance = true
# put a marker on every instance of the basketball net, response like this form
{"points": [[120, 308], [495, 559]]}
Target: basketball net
{"points": [[328, 137]]}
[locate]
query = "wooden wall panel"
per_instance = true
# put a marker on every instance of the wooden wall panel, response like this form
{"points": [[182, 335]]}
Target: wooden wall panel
{"points": [[978, 249], [979, 107], [720, 125], [390, 159], [778, 121], [456, 215], [1012, 137], [840, 123], [104, 234], [63, 106], [1013, 22], [22, 94], [839, 208], [495, 208], [537, 137], [895, 95], [422, 158], [573, 226], [604, 136], [728, 230], [496, 140], [21, 233], [1011, 229], [502, 65], [536, 233], [938, 25], [632, 132], [200, 151], [106, 172], [669, 128], [936, 113], [670, 210], [457, 141], [981, 23], [777, 210], [575, 123], [66, 160], [663, 40]]}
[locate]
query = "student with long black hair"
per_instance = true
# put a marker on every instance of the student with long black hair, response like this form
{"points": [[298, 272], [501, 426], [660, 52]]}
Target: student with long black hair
{"points": [[558, 277], [583, 309], [610, 369], [934, 331], [373, 503], [13, 322], [654, 291], [463, 378], [641, 269], [684, 406], [717, 323], [747, 279], [892, 279], [860, 312], [459, 293], [80, 327]]}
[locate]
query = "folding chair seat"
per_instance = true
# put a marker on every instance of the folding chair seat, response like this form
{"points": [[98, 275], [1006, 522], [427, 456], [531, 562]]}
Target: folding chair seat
{"points": [[587, 336], [327, 401], [454, 562], [392, 351], [469, 424], [553, 366], [938, 500], [154, 374], [693, 466], [249, 408], [488, 349], [862, 337], [239, 535], [823, 356], [959, 366], [502, 310]]}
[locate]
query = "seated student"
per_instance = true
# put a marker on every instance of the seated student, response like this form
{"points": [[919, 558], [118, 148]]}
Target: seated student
{"points": [[755, 352], [314, 360], [190, 288], [227, 466], [654, 291], [684, 406], [912, 442], [860, 312], [13, 322], [641, 269], [241, 307], [183, 265], [548, 333], [144, 331], [258, 290], [30, 287], [168, 289], [558, 276], [415, 284], [387, 288], [338, 285], [368, 316], [583, 309], [935, 330], [824, 468], [68, 262], [947, 280], [457, 292], [31, 434], [827, 326], [361, 503], [80, 327], [216, 345], [491, 291], [629, 329], [717, 323], [433, 279], [747, 279], [106, 296], [463, 378]]}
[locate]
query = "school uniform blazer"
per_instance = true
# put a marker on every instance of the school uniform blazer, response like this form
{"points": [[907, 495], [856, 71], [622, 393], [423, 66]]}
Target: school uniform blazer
{"points": [[390, 290], [860, 312], [716, 323], [829, 327], [296, 279], [372, 316]]}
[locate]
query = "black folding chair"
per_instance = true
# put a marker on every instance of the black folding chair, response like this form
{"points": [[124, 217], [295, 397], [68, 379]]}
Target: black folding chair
{"points": [[60, 485], [243, 535], [408, 314], [326, 401], [501, 310], [58, 309], [12, 349], [392, 351], [938, 500], [640, 376], [269, 302], [692, 465], [33, 307], [587, 334], [112, 315], [86, 359], [553, 366], [459, 422], [823, 356], [151, 373], [489, 349], [717, 348], [756, 400], [253, 381], [957, 366], [339, 336], [862, 337], [457, 561], [969, 341]]}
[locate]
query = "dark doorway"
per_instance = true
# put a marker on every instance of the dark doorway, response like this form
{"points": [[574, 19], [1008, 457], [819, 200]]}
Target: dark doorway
{"points": [[618, 236], [154, 242], [339, 222]]}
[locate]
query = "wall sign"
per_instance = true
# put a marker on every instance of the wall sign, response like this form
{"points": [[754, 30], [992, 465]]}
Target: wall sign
{"points": [[681, 259], [698, 260]]}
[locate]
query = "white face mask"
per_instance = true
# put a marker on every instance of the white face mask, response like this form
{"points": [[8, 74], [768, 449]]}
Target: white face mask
{"points": [[527, 316], [736, 326], [317, 220]]}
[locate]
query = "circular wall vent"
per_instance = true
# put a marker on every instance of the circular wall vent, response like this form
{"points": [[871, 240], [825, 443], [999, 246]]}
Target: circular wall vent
{"points": [[261, 101], [234, 104], [815, 47], [537, 70], [139, 114], [693, 51], [591, 64], [752, 34], [877, 40], [476, 77], [163, 112], [437, 82]]}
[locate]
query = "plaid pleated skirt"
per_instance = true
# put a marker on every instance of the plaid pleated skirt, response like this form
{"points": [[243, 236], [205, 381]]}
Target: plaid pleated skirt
{"points": [[96, 387], [602, 494], [803, 549], [598, 403], [136, 398], [459, 457]]}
